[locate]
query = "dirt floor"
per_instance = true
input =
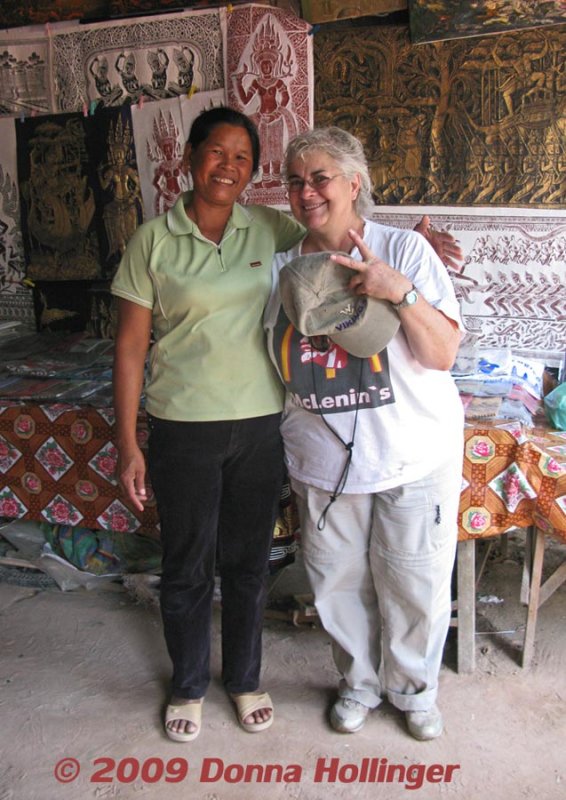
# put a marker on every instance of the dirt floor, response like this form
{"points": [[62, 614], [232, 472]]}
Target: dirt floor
{"points": [[84, 676]]}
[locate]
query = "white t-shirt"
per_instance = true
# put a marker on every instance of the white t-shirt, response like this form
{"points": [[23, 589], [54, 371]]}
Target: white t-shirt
{"points": [[405, 420]]}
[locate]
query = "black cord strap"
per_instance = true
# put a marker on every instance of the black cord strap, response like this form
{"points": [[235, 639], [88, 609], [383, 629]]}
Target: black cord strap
{"points": [[341, 483]]}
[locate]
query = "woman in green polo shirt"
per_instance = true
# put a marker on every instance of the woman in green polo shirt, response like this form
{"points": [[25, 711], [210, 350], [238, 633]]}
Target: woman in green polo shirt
{"points": [[198, 278]]}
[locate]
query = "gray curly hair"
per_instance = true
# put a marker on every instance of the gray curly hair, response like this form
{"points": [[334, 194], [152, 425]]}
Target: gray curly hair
{"points": [[346, 150]]}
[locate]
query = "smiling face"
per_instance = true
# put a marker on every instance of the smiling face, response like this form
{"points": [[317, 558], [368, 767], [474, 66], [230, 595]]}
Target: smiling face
{"points": [[221, 166], [323, 210]]}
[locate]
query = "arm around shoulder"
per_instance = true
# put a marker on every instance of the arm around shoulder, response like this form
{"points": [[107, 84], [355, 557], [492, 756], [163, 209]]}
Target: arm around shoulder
{"points": [[288, 231]]}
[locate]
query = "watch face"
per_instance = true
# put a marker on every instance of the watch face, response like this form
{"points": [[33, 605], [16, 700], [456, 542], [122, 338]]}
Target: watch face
{"points": [[409, 300]]}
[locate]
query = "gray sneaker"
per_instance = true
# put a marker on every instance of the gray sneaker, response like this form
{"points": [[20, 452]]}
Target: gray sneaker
{"points": [[425, 725], [348, 716]]}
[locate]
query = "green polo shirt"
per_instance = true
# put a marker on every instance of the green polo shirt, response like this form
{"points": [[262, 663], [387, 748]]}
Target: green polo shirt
{"points": [[209, 360]]}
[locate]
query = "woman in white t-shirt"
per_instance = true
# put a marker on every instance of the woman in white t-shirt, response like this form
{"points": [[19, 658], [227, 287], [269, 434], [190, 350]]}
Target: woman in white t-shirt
{"points": [[374, 445]]}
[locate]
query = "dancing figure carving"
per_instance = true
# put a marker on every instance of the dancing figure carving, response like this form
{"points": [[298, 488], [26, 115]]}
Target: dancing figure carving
{"points": [[123, 213], [268, 90], [169, 180]]}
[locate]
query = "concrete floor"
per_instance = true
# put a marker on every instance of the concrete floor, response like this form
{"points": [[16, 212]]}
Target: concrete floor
{"points": [[84, 676]]}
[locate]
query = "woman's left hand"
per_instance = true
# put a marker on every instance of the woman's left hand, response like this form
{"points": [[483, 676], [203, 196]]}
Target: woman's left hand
{"points": [[446, 247], [373, 277]]}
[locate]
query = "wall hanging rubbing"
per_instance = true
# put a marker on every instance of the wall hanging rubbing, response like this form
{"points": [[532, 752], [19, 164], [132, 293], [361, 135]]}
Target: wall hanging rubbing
{"points": [[15, 299], [118, 198], [454, 19], [57, 198], [511, 285], [25, 69], [160, 131], [468, 122], [68, 66], [80, 193], [121, 62], [37, 12], [269, 61]]}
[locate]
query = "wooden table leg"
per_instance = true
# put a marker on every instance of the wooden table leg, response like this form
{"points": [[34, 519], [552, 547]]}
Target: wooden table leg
{"points": [[466, 606], [527, 565], [534, 598]]}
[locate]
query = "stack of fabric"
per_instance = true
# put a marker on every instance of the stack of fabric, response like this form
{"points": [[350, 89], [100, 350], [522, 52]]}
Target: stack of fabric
{"points": [[498, 384]]}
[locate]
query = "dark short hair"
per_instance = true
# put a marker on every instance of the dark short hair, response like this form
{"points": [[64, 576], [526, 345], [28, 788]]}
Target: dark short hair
{"points": [[206, 121]]}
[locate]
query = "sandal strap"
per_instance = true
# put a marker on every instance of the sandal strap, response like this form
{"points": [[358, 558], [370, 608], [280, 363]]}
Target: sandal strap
{"points": [[191, 712], [249, 703]]}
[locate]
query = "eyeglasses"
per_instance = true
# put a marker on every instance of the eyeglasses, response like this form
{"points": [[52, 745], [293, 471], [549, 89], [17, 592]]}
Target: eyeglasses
{"points": [[295, 185]]}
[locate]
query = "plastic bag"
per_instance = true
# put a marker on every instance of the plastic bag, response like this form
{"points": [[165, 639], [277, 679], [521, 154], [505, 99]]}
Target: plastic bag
{"points": [[555, 407]]}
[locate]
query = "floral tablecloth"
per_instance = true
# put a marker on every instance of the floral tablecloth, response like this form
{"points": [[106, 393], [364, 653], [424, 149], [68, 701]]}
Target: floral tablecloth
{"points": [[57, 465], [513, 477]]}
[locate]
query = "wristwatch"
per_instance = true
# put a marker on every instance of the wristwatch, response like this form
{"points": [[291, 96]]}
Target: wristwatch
{"points": [[409, 299]]}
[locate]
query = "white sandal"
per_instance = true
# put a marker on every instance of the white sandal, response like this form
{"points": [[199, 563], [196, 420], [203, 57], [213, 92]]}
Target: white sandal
{"points": [[247, 704], [190, 712]]}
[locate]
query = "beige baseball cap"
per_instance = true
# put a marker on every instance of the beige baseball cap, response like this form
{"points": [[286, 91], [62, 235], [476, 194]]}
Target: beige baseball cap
{"points": [[317, 300]]}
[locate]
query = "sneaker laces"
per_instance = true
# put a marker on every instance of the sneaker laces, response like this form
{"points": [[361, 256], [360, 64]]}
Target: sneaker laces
{"points": [[347, 702]]}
